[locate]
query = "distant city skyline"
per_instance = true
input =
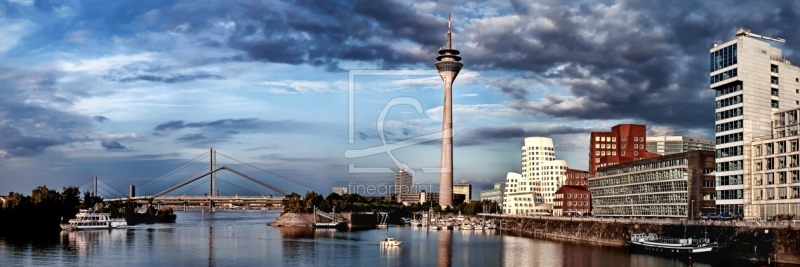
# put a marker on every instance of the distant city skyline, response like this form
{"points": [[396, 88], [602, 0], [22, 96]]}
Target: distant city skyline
{"points": [[129, 90]]}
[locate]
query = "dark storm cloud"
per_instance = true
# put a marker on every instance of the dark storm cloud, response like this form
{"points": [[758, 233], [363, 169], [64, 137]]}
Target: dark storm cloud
{"points": [[638, 60], [100, 119], [112, 145], [32, 116], [490, 135], [222, 130], [150, 72], [191, 137]]}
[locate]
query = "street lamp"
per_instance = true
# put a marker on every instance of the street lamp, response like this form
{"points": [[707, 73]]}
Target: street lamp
{"points": [[692, 209]]}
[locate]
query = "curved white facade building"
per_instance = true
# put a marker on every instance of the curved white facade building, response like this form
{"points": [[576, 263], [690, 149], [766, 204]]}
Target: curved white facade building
{"points": [[533, 190]]}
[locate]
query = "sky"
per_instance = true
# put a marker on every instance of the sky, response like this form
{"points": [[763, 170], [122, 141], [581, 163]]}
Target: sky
{"points": [[307, 95]]}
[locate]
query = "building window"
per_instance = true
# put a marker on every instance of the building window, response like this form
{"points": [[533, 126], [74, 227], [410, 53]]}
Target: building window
{"points": [[623, 152], [733, 100], [597, 138], [728, 88], [723, 57], [724, 76], [596, 160], [613, 139], [775, 91], [773, 80], [773, 68], [635, 153], [623, 139], [735, 112], [775, 104]]}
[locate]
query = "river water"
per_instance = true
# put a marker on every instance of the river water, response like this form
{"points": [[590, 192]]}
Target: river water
{"points": [[242, 238]]}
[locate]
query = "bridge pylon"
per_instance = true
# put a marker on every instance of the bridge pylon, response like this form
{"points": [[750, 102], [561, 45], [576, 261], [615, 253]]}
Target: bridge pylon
{"points": [[212, 191]]}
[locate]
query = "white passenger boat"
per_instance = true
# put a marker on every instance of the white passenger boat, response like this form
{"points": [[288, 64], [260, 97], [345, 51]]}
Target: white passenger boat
{"points": [[668, 245], [391, 242], [88, 219]]}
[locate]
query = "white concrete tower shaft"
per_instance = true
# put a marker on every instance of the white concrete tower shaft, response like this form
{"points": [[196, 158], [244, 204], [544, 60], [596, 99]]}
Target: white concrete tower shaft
{"points": [[448, 65]]}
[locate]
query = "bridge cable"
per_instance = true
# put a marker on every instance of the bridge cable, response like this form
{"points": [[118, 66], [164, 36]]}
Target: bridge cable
{"points": [[188, 188], [230, 183], [109, 186], [174, 170], [108, 193], [287, 179], [179, 180]]}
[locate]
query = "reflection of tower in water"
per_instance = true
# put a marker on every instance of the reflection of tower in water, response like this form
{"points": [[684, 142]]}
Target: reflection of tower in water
{"points": [[445, 249]]}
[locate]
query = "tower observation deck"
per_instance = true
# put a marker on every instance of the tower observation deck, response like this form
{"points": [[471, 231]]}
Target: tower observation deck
{"points": [[448, 64]]}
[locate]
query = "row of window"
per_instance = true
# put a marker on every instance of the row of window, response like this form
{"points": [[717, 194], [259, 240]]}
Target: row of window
{"points": [[735, 112], [728, 88], [731, 125], [729, 180], [723, 76], [646, 166], [662, 175], [604, 146], [723, 57], [737, 99], [642, 211], [759, 178], [730, 194], [729, 138], [735, 165], [769, 193], [770, 148], [653, 187], [641, 199], [729, 152], [769, 163]]}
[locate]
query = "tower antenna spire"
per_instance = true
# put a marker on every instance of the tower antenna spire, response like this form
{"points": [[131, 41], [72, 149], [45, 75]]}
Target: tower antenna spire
{"points": [[448, 23]]}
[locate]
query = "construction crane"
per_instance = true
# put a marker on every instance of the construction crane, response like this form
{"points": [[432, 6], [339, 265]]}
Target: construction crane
{"points": [[746, 32]]}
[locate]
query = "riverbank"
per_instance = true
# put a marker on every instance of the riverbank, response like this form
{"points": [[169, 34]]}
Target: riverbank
{"points": [[745, 241]]}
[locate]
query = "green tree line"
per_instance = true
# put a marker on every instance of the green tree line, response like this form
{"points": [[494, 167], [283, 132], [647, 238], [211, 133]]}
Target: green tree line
{"points": [[43, 210], [295, 203]]}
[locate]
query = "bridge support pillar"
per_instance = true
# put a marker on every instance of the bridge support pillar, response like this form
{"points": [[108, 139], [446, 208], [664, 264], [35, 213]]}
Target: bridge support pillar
{"points": [[210, 206]]}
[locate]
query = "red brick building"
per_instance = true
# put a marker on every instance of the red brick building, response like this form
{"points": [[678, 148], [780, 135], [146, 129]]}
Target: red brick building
{"points": [[577, 177], [571, 200], [624, 143]]}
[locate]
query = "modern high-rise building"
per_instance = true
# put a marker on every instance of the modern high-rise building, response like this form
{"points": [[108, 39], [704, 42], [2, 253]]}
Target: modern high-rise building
{"points": [[542, 173], [402, 182], [752, 81], [672, 186], [624, 143], [666, 145], [448, 65], [495, 194], [463, 189]]}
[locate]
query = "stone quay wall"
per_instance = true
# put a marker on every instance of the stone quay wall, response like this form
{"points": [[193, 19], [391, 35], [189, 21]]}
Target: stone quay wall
{"points": [[755, 241]]}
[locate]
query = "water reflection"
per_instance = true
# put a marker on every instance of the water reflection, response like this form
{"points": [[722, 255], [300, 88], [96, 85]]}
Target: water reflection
{"points": [[83, 242], [445, 249]]}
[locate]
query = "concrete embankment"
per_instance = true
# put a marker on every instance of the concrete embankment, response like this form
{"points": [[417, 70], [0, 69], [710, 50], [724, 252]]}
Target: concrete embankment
{"points": [[355, 220], [745, 241], [294, 219]]}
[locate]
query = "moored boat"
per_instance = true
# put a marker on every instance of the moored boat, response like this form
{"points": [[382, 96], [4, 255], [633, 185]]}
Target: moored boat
{"points": [[88, 219], [668, 245]]}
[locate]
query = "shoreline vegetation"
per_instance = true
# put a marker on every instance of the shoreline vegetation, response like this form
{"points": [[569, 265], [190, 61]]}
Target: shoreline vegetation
{"points": [[295, 206], [45, 209]]}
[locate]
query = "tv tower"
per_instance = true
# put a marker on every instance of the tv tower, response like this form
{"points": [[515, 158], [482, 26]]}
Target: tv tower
{"points": [[448, 65]]}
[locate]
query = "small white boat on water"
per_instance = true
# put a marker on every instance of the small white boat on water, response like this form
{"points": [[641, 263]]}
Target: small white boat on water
{"points": [[466, 226], [88, 219], [391, 242]]}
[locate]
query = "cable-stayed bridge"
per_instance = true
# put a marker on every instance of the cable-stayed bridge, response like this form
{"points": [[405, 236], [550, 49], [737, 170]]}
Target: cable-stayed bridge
{"points": [[166, 189]]}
